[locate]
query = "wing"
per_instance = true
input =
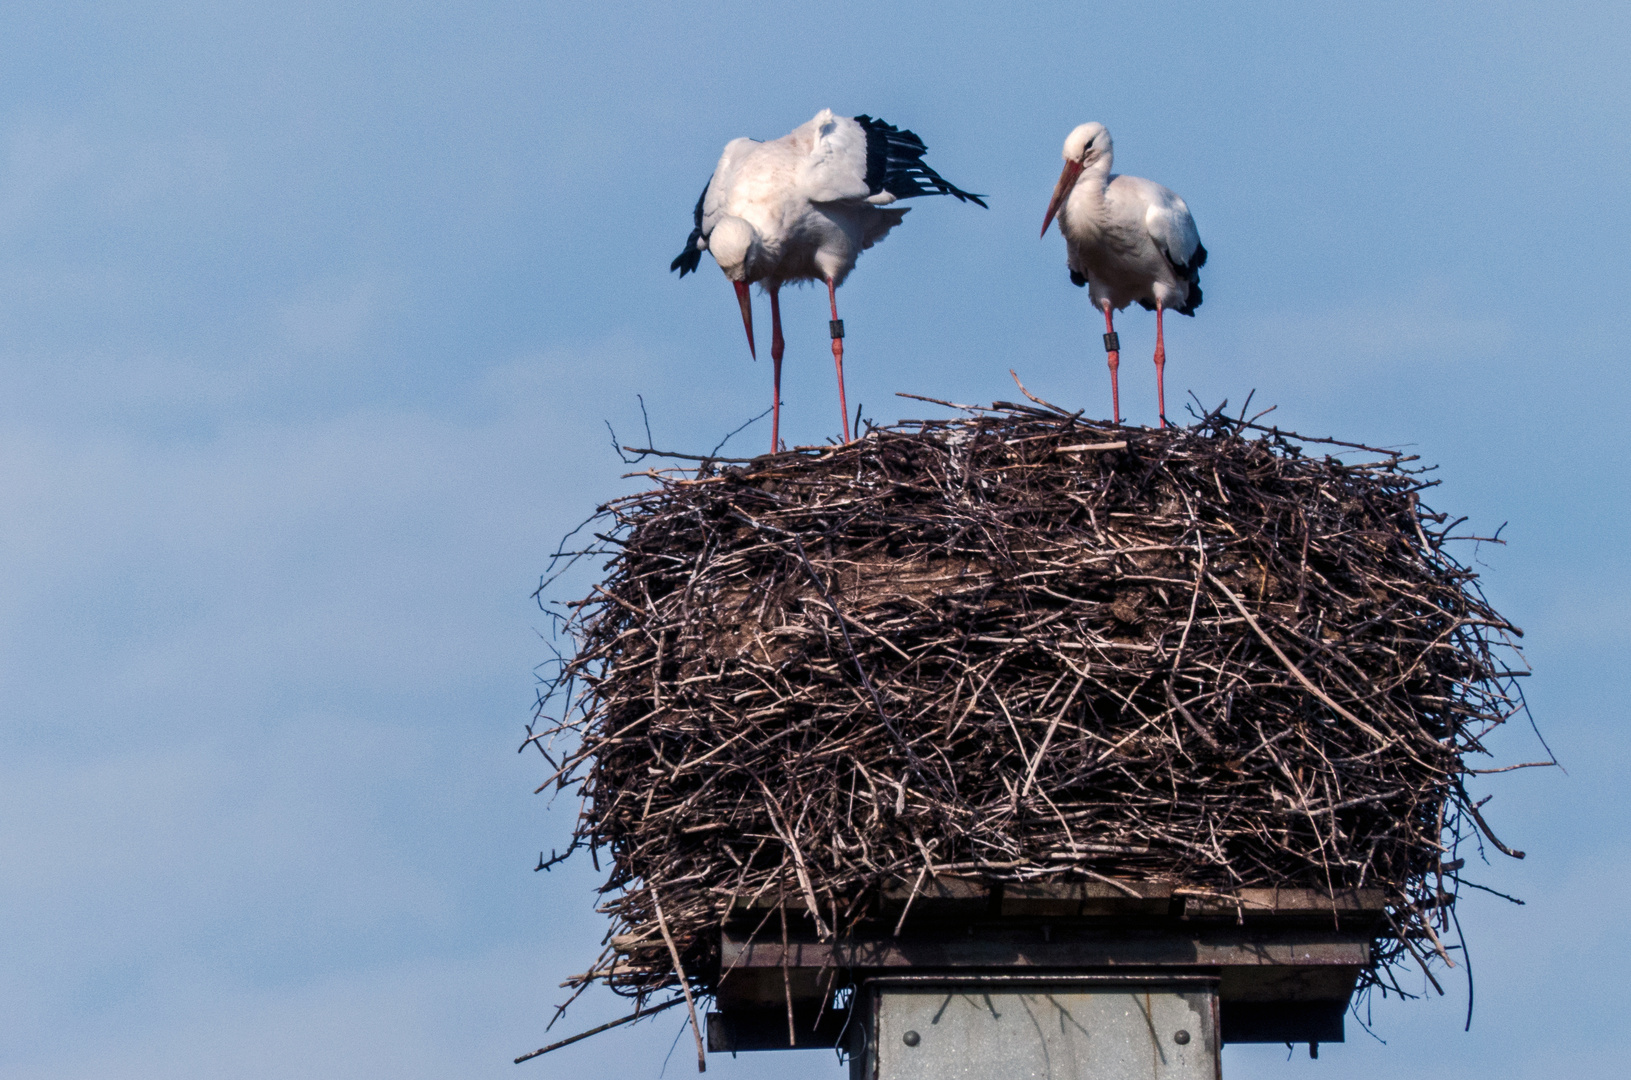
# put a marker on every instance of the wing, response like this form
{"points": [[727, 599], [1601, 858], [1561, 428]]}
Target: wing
{"points": [[711, 204], [833, 163], [895, 165], [1173, 229], [1167, 220], [862, 159]]}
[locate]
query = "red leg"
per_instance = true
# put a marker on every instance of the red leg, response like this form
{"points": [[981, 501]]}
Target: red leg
{"points": [[1115, 362], [747, 314], [1160, 368], [776, 346], [837, 328]]}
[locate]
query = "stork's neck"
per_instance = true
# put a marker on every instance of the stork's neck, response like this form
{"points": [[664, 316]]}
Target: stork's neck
{"points": [[1096, 175], [1087, 196]]}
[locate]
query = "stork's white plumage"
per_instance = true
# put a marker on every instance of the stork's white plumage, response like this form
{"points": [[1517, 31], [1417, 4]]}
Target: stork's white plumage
{"points": [[802, 208], [1126, 239]]}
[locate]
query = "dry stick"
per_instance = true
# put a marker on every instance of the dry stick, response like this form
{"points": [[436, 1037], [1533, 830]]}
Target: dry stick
{"points": [[1510, 768], [1189, 718], [928, 869], [1421, 962], [786, 833], [1019, 744], [916, 885], [974, 698], [832, 976], [685, 985], [1290, 667], [1194, 597], [1472, 808], [1129, 890], [1030, 774], [787, 980], [1438, 866], [635, 1015], [1437, 944], [657, 674], [1069, 416]]}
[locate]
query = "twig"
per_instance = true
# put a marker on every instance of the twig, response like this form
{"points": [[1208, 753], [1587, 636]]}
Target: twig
{"points": [[637, 1014], [714, 456], [1483, 826], [685, 984]]}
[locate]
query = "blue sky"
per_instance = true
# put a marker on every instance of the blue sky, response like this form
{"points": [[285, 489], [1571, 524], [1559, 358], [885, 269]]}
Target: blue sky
{"points": [[310, 318]]}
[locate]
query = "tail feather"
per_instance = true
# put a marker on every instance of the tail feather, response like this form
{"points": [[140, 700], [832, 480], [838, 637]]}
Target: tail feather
{"points": [[687, 261], [1194, 299]]}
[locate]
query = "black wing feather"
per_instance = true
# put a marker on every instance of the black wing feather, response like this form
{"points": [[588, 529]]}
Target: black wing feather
{"points": [[894, 163], [687, 261], [1191, 272]]}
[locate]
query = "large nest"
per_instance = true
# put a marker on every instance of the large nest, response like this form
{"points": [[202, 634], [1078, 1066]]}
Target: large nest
{"points": [[1018, 645]]}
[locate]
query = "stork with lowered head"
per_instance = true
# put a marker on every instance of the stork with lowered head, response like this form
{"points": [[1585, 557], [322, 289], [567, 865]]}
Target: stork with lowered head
{"points": [[802, 208]]}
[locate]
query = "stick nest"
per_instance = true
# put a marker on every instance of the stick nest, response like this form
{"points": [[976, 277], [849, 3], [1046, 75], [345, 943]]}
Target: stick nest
{"points": [[1020, 646]]}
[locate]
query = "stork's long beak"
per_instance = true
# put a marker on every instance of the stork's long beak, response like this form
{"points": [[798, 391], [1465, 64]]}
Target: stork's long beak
{"points": [[1061, 191], [747, 314]]}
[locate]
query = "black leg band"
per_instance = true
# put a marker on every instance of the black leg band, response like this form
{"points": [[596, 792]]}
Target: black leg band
{"points": [[837, 328], [1112, 342]]}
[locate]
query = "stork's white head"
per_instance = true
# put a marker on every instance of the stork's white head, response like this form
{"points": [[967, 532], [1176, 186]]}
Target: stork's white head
{"points": [[736, 249], [1089, 144], [1087, 147], [735, 246]]}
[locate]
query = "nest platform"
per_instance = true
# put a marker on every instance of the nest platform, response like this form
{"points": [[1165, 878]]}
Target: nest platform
{"points": [[1020, 673]]}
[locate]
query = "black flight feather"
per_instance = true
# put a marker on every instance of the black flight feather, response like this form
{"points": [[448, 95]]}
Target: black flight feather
{"points": [[687, 261], [1191, 273], [894, 163]]}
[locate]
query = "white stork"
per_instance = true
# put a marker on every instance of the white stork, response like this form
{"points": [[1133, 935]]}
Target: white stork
{"points": [[1126, 239], [801, 208]]}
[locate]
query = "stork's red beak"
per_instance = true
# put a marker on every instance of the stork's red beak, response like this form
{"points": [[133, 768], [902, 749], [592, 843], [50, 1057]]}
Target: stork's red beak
{"points": [[747, 314], [1061, 191]]}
